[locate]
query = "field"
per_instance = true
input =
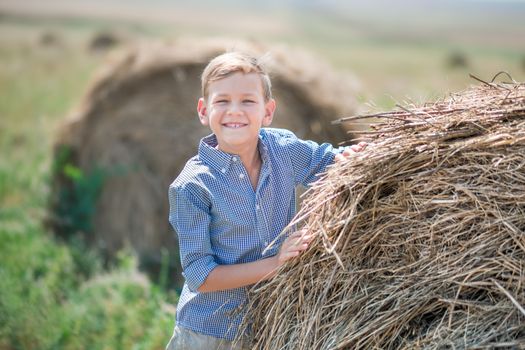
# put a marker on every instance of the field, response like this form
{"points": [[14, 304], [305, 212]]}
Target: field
{"points": [[53, 294]]}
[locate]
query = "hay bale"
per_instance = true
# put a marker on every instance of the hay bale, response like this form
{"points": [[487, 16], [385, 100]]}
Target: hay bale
{"points": [[50, 38], [419, 241], [103, 41], [138, 125], [457, 59]]}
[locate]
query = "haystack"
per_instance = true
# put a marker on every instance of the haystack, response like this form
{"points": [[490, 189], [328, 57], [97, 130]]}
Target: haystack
{"points": [[104, 41], [419, 241], [137, 126]]}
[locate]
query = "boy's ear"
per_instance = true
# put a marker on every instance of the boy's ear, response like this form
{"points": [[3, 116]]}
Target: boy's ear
{"points": [[269, 108], [203, 112]]}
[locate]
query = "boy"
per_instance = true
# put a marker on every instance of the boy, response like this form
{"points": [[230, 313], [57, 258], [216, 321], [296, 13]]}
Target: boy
{"points": [[234, 198]]}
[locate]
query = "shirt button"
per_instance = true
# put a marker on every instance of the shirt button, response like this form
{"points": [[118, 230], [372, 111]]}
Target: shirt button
{"points": [[234, 159], [257, 206], [223, 170], [241, 176]]}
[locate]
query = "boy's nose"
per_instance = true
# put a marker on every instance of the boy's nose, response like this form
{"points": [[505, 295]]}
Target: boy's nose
{"points": [[234, 109]]}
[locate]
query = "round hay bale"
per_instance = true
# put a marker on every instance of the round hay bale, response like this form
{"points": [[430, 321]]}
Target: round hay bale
{"points": [[103, 41], [457, 59], [50, 39], [137, 126], [419, 240]]}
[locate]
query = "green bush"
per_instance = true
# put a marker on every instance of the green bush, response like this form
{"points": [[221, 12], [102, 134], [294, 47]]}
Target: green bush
{"points": [[36, 276], [117, 311], [46, 304], [74, 198]]}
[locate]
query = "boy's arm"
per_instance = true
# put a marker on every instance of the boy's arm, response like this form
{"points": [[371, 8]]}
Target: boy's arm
{"points": [[224, 277], [309, 158], [189, 216]]}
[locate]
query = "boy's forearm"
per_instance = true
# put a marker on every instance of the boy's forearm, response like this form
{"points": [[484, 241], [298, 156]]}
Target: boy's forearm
{"points": [[239, 275]]}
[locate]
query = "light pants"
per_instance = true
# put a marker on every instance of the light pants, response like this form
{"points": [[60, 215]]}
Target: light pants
{"points": [[185, 339]]}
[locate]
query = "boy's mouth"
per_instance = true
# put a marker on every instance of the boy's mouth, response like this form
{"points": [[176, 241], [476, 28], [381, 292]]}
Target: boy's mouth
{"points": [[234, 125]]}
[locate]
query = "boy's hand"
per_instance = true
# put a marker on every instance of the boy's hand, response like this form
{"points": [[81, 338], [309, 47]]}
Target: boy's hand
{"points": [[350, 151], [292, 246]]}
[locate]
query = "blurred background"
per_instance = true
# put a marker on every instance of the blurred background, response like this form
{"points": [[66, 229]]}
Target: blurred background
{"points": [[97, 115]]}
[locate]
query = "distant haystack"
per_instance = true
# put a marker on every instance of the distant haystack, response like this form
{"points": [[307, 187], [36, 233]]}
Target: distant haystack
{"points": [[419, 240], [50, 39], [457, 59], [104, 41], [137, 126]]}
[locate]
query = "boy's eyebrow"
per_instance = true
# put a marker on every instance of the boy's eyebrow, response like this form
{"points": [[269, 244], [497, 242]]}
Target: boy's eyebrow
{"points": [[218, 96]]}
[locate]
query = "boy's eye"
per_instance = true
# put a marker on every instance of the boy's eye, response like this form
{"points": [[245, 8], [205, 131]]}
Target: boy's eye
{"points": [[221, 101], [248, 101]]}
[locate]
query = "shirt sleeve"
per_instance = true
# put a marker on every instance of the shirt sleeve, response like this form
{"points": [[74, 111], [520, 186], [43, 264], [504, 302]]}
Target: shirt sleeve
{"points": [[308, 158], [190, 217]]}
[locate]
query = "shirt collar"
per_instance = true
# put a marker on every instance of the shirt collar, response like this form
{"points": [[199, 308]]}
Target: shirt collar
{"points": [[221, 161]]}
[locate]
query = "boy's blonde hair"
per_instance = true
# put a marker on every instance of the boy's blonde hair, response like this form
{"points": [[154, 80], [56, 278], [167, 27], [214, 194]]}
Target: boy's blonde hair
{"points": [[232, 62]]}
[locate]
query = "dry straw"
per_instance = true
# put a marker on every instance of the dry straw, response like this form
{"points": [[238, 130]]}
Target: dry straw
{"points": [[420, 239]]}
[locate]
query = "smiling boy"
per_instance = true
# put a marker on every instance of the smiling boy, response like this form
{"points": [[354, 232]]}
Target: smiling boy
{"points": [[234, 198]]}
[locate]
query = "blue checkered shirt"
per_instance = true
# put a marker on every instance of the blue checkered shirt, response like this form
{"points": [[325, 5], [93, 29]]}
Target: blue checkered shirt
{"points": [[220, 219]]}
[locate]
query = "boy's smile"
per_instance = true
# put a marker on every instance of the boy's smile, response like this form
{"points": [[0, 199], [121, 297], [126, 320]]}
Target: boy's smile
{"points": [[235, 110], [234, 125]]}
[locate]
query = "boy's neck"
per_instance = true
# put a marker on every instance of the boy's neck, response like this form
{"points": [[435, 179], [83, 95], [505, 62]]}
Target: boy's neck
{"points": [[252, 163], [249, 154], [251, 159], [254, 169]]}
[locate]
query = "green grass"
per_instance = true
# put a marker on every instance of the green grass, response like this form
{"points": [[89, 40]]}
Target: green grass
{"points": [[46, 302]]}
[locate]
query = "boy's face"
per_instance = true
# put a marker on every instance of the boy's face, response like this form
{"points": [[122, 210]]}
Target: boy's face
{"points": [[235, 110]]}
